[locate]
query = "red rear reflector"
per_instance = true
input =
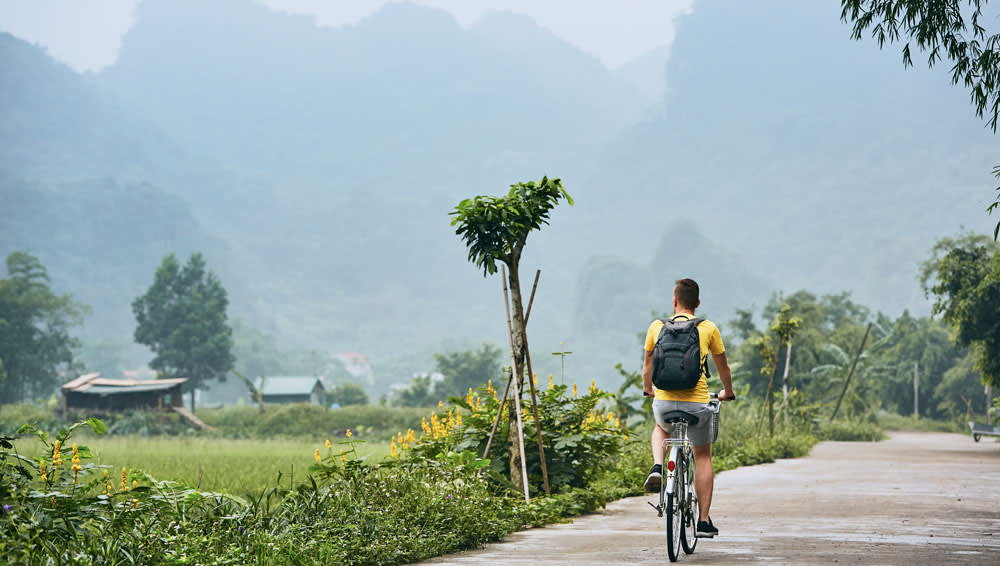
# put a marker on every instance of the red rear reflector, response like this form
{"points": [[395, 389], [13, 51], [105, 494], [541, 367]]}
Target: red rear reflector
{"points": [[671, 465]]}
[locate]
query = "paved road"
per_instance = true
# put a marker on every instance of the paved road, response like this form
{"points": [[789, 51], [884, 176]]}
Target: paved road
{"points": [[917, 498]]}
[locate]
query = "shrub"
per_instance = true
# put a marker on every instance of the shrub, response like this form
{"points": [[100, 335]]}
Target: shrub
{"points": [[579, 440]]}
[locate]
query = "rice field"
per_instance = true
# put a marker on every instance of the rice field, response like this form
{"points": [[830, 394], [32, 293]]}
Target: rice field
{"points": [[236, 466]]}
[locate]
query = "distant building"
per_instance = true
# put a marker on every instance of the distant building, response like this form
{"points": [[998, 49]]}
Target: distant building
{"points": [[95, 393], [357, 365], [289, 389]]}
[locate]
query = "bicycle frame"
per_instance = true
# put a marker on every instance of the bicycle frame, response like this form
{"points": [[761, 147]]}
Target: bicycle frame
{"points": [[672, 447]]}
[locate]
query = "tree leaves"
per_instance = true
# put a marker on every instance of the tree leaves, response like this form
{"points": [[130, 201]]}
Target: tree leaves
{"points": [[496, 228], [182, 318]]}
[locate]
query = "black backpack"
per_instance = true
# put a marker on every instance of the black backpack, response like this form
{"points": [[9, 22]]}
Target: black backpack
{"points": [[677, 355]]}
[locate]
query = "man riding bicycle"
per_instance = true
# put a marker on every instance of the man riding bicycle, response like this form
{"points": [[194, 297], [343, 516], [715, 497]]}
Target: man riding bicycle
{"points": [[694, 400]]}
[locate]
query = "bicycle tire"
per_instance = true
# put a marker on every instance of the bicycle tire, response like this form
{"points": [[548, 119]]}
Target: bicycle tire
{"points": [[675, 517], [690, 512]]}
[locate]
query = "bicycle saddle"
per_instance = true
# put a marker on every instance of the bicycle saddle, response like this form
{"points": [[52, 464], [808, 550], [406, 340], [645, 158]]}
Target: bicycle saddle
{"points": [[680, 417]]}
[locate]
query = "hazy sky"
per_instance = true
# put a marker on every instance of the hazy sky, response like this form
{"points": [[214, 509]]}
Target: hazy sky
{"points": [[86, 34]]}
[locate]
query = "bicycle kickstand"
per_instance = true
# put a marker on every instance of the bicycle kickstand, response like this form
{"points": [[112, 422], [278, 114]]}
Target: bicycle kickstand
{"points": [[659, 509]]}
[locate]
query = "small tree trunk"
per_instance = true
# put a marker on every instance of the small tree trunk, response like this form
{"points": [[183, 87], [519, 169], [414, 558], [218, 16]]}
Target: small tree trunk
{"points": [[193, 391], [517, 346]]}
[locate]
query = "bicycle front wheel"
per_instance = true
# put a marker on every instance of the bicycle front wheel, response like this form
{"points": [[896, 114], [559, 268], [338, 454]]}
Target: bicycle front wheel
{"points": [[690, 509]]}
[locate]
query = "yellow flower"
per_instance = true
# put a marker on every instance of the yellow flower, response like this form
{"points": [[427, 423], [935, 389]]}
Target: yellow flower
{"points": [[392, 448], [551, 384], [411, 436], [626, 438], [593, 386], [316, 455], [56, 454], [135, 484], [534, 380], [343, 459], [441, 404], [399, 438], [574, 390], [328, 444], [124, 484], [349, 434]]}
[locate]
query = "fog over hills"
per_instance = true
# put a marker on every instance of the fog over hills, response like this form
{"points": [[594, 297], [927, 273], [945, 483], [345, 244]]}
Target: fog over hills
{"points": [[316, 167]]}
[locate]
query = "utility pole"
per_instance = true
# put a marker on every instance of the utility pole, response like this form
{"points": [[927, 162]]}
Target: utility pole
{"points": [[916, 392]]}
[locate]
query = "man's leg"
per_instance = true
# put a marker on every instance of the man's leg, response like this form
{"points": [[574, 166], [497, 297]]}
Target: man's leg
{"points": [[704, 480], [655, 476], [656, 441]]}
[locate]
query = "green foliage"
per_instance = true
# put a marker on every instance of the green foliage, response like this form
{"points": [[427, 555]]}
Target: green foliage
{"points": [[34, 330], [348, 394], [420, 393], [496, 228], [942, 29], [182, 318], [466, 370], [963, 274]]}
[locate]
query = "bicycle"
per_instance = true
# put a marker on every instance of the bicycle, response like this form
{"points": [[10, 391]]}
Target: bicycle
{"points": [[678, 499]]}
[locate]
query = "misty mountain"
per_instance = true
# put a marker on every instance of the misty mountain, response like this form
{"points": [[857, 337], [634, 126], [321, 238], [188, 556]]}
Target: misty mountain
{"points": [[406, 96], [820, 161]]}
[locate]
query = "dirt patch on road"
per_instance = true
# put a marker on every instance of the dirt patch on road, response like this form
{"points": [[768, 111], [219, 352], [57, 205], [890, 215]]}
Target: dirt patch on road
{"points": [[915, 498]]}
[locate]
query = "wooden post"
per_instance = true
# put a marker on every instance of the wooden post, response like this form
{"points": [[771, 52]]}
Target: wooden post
{"points": [[853, 366], [784, 381], [916, 391]]}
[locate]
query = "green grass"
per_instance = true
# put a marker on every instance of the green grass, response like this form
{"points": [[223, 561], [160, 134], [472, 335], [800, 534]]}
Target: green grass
{"points": [[237, 466]]}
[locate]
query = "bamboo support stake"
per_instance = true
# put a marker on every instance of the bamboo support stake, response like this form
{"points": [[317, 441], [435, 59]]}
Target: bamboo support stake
{"points": [[531, 299], [531, 383], [851, 373], [496, 420]]}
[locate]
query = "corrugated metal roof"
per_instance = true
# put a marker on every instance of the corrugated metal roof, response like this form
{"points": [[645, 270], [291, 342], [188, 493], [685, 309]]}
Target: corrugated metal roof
{"points": [[113, 390], [93, 381], [287, 385]]}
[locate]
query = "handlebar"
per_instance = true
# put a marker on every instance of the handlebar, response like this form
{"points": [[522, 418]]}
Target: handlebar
{"points": [[713, 396]]}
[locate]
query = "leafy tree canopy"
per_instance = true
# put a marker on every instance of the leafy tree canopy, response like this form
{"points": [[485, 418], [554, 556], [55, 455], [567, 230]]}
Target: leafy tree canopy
{"points": [[945, 29], [34, 330], [963, 274], [496, 228], [348, 394], [182, 318]]}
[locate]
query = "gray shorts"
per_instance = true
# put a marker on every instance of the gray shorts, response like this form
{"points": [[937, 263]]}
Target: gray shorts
{"points": [[699, 434]]}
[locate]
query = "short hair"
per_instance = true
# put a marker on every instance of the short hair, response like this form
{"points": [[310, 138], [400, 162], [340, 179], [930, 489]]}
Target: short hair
{"points": [[686, 292]]}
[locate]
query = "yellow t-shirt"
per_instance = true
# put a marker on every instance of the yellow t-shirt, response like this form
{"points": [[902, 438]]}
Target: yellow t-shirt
{"points": [[711, 341]]}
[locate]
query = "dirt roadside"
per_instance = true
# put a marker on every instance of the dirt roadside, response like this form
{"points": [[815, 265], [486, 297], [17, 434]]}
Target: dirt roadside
{"points": [[917, 498]]}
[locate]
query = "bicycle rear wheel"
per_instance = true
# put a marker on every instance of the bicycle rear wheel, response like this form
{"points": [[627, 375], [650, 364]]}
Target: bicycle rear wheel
{"points": [[675, 516], [690, 509]]}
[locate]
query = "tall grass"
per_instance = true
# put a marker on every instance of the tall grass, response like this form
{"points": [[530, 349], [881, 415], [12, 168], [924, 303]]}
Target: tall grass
{"points": [[237, 466]]}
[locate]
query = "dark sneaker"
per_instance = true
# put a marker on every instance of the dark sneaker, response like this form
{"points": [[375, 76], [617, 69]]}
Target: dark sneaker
{"points": [[654, 478], [706, 529]]}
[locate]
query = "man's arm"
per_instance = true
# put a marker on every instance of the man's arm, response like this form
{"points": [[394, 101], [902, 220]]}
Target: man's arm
{"points": [[647, 373], [725, 374]]}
